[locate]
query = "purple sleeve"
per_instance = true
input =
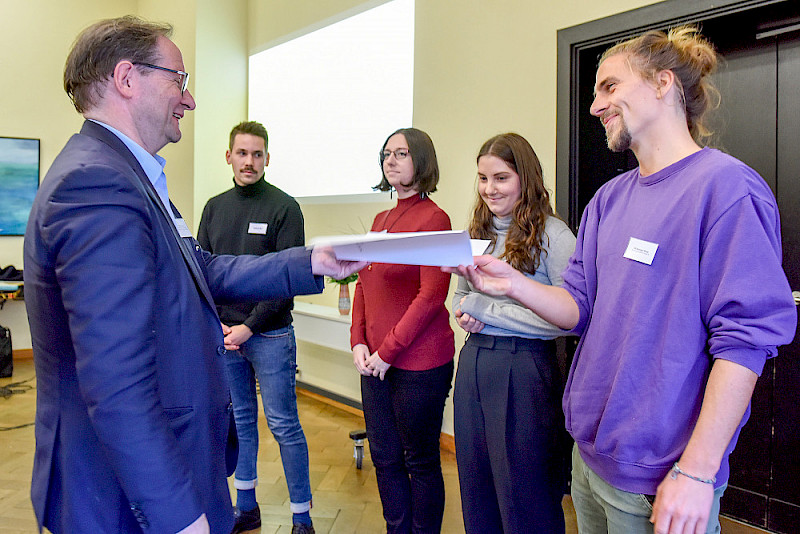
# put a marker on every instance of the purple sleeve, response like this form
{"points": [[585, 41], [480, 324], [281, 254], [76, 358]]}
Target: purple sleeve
{"points": [[580, 277], [746, 301]]}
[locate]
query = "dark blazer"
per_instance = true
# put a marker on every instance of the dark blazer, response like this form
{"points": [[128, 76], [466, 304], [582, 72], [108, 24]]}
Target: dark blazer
{"points": [[133, 410]]}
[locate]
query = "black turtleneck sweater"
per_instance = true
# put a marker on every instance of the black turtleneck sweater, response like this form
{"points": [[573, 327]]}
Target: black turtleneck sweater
{"points": [[233, 223]]}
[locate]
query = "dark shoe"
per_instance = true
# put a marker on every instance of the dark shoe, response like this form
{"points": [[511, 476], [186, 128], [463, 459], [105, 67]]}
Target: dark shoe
{"points": [[244, 521], [299, 528]]}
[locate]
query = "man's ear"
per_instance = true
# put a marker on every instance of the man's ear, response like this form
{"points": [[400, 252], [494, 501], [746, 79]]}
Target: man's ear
{"points": [[228, 156], [665, 81], [123, 78], [266, 160]]}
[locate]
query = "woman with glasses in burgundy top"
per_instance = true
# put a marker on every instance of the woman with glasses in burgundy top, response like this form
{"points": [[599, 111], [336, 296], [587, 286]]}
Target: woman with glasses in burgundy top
{"points": [[403, 345]]}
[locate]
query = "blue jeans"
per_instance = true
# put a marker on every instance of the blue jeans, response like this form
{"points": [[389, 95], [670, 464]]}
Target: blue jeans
{"points": [[602, 508], [271, 358], [403, 415]]}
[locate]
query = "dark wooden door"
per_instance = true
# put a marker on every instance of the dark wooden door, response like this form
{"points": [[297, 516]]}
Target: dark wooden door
{"points": [[784, 499], [759, 123]]}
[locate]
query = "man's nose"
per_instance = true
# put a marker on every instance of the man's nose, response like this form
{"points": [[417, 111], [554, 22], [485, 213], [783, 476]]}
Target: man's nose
{"points": [[598, 106], [188, 100]]}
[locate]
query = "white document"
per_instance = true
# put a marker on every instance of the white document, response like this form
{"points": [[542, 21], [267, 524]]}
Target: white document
{"points": [[449, 248]]}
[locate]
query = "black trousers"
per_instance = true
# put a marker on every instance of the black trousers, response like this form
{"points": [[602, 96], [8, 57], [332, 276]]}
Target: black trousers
{"points": [[509, 435], [403, 414]]}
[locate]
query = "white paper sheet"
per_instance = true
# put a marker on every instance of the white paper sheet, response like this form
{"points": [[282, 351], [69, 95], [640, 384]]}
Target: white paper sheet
{"points": [[446, 248]]}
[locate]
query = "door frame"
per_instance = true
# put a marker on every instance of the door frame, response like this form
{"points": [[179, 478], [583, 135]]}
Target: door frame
{"points": [[582, 165], [606, 31]]}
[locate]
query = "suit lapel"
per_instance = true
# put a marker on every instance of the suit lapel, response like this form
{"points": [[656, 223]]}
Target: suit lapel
{"points": [[143, 183]]}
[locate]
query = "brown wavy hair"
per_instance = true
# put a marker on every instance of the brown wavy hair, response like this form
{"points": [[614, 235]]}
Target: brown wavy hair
{"points": [[691, 57], [525, 235]]}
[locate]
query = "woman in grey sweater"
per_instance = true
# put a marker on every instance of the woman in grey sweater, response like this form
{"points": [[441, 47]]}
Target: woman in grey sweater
{"points": [[508, 419]]}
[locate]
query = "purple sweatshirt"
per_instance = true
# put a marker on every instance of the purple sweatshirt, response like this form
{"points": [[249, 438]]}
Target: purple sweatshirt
{"points": [[714, 289]]}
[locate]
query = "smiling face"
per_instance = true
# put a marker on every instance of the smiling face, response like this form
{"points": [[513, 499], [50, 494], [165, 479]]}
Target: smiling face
{"points": [[625, 103], [160, 105], [399, 172], [248, 157], [498, 185]]}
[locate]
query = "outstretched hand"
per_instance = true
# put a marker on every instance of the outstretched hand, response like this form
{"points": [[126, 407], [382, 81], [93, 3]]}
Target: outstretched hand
{"points": [[487, 274], [325, 263]]}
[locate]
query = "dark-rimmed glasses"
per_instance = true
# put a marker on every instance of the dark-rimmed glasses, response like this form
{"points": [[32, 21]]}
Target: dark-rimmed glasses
{"points": [[400, 153], [184, 80]]}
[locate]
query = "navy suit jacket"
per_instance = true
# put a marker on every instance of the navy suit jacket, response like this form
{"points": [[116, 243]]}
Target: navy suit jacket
{"points": [[133, 409]]}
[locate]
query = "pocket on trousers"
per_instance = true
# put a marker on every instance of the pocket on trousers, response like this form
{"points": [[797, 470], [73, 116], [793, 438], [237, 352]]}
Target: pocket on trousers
{"points": [[648, 500]]}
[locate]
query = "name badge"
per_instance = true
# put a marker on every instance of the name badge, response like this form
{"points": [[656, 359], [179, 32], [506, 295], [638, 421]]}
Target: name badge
{"points": [[257, 228], [641, 251], [183, 228]]}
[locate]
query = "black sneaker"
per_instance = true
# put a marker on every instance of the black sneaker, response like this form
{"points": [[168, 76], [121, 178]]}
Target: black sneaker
{"points": [[300, 528], [244, 521]]}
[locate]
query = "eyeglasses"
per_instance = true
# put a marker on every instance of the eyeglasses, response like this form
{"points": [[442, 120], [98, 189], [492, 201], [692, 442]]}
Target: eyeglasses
{"points": [[184, 76], [400, 153]]}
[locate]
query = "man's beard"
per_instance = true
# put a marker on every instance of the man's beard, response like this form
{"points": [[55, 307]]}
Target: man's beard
{"points": [[619, 141]]}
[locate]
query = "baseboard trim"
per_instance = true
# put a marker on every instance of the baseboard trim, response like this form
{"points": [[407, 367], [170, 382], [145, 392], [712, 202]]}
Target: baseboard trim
{"points": [[330, 398], [446, 441], [22, 354]]}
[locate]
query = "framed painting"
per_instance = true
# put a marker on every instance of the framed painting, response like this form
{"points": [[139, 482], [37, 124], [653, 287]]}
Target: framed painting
{"points": [[19, 181]]}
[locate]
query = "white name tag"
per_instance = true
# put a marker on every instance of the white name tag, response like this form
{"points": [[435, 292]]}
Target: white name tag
{"points": [[257, 228], [641, 251], [183, 228]]}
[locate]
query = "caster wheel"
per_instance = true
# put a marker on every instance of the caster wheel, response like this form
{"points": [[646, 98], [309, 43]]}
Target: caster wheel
{"points": [[359, 455], [358, 437]]}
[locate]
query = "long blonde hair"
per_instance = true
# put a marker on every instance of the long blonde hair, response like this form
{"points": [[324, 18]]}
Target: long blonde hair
{"points": [[691, 57]]}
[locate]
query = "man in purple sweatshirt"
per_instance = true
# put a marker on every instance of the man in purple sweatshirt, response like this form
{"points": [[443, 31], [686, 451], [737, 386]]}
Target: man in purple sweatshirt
{"points": [[677, 291]]}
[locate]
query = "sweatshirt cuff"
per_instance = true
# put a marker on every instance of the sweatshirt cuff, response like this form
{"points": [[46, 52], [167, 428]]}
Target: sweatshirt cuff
{"points": [[753, 359]]}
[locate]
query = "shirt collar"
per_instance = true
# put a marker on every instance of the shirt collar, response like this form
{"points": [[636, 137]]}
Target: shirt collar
{"points": [[153, 166]]}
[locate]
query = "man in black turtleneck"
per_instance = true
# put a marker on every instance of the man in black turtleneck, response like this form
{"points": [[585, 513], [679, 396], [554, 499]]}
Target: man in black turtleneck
{"points": [[255, 217]]}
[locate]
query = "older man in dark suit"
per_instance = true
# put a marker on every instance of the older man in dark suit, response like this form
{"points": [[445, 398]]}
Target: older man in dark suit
{"points": [[133, 422]]}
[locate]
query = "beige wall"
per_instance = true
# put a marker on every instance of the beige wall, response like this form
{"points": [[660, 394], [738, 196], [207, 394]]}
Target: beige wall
{"points": [[35, 36], [481, 67], [221, 65]]}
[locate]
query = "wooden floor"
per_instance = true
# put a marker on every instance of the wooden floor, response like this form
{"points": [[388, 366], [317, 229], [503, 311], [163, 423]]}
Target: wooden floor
{"points": [[345, 498]]}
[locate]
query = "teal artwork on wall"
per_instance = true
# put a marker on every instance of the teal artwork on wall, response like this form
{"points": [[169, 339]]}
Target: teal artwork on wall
{"points": [[19, 181]]}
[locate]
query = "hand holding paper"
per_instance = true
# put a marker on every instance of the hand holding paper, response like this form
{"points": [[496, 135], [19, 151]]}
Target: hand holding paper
{"points": [[445, 248], [325, 262], [488, 275]]}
